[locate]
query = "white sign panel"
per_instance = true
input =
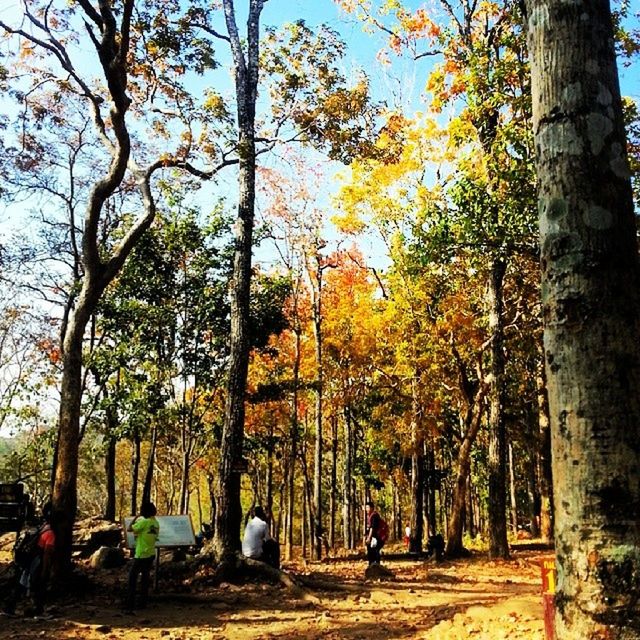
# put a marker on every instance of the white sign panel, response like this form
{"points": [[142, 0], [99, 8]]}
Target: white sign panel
{"points": [[175, 531]]}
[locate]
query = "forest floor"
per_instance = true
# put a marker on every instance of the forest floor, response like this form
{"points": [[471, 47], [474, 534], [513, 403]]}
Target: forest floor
{"points": [[472, 598]]}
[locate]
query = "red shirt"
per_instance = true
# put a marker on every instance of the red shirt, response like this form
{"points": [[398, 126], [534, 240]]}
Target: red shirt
{"points": [[47, 539]]}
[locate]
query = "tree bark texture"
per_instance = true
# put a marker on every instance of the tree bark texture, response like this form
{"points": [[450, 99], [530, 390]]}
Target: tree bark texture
{"points": [[334, 481], [246, 81], [314, 268], [497, 508], [347, 521], [471, 425], [417, 492], [589, 259], [151, 460], [110, 472], [544, 458], [135, 473], [512, 492], [293, 444]]}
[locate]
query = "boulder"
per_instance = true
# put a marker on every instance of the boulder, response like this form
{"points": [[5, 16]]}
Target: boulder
{"points": [[378, 572], [92, 533], [107, 558]]}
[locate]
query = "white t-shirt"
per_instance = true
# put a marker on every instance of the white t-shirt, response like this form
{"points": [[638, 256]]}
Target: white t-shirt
{"points": [[256, 532]]}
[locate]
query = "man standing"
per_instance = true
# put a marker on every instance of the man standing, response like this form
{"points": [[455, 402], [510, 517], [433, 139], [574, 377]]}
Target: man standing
{"points": [[257, 542]]}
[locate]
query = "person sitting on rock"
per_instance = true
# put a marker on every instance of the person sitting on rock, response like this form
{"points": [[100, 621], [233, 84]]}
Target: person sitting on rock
{"points": [[257, 542]]}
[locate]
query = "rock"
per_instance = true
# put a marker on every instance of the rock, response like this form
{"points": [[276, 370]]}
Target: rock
{"points": [[378, 572], [92, 533], [107, 558], [103, 628]]}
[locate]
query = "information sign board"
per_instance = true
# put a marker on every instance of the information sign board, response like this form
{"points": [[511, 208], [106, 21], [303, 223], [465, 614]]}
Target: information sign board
{"points": [[175, 531]]}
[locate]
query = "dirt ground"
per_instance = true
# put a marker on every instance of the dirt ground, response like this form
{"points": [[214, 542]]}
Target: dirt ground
{"points": [[472, 598]]}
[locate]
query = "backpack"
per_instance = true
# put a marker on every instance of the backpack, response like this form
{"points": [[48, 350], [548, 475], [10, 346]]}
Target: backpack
{"points": [[26, 548], [383, 530]]}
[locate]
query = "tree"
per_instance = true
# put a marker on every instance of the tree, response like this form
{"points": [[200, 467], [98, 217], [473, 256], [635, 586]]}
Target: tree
{"points": [[589, 258], [245, 68], [55, 81]]}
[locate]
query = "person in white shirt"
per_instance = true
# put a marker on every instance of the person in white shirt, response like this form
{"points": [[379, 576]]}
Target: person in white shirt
{"points": [[257, 542]]}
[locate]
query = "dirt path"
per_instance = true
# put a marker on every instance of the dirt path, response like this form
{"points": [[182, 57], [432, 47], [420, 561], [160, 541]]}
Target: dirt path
{"points": [[473, 598]]}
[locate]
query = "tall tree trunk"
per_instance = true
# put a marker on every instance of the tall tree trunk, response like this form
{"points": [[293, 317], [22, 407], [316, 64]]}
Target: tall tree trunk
{"points": [[471, 528], [110, 472], [303, 524], [246, 82], [591, 306], [544, 457], [347, 523], [417, 492], [512, 492], [315, 268], [184, 481], [135, 472], [151, 460], [471, 425], [432, 482], [293, 437], [212, 499], [334, 480], [397, 513], [498, 545], [532, 496], [269, 475]]}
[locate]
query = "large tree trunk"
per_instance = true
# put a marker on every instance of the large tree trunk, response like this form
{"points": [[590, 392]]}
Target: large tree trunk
{"points": [[110, 472], [315, 276], [512, 492], [589, 257], [471, 425], [184, 482], [135, 472], [334, 480], [293, 436], [148, 476], [417, 492], [433, 481], [532, 495], [64, 495], [544, 458], [347, 520], [246, 82], [498, 545]]}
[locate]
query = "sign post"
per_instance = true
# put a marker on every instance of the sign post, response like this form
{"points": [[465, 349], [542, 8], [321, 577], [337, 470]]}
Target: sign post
{"points": [[175, 531], [549, 579]]}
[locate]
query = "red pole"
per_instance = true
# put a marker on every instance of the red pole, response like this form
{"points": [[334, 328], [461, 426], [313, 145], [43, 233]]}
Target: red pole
{"points": [[548, 568]]}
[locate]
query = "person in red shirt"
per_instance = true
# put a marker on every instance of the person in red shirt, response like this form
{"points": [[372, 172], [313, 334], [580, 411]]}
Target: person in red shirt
{"points": [[35, 578]]}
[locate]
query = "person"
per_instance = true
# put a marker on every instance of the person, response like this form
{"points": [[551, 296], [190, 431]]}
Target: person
{"points": [[33, 570], [257, 542], [407, 536], [145, 528], [372, 538]]}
